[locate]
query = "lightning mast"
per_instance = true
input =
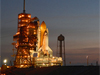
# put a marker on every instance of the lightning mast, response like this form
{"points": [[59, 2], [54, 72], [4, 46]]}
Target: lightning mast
{"points": [[24, 7]]}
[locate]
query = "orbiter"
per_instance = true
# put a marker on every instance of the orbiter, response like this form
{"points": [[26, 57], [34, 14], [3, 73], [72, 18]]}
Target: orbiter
{"points": [[44, 42], [45, 54]]}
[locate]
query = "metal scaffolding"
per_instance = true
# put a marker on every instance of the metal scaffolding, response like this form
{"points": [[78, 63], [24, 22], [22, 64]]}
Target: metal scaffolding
{"points": [[32, 38]]}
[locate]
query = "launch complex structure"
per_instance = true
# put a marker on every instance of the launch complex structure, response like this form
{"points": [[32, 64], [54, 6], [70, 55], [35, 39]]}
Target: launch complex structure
{"points": [[32, 39]]}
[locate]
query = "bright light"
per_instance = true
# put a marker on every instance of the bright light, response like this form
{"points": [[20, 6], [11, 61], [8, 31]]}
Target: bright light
{"points": [[22, 65], [29, 16], [53, 57], [26, 20], [52, 64], [86, 57], [43, 64], [22, 15], [34, 32], [18, 33], [5, 61], [19, 16], [8, 66]]}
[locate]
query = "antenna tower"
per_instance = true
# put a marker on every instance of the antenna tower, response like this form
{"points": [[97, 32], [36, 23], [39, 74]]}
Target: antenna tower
{"points": [[24, 7]]}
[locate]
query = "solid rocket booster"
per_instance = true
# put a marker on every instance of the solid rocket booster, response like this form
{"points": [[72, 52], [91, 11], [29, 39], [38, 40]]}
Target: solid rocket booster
{"points": [[38, 31], [45, 41]]}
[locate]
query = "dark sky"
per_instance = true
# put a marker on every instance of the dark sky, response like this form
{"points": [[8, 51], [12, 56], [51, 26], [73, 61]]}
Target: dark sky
{"points": [[77, 20]]}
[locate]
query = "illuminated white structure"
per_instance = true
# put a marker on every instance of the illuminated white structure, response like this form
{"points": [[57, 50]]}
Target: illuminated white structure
{"points": [[43, 36], [45, 54], [5, 61]]}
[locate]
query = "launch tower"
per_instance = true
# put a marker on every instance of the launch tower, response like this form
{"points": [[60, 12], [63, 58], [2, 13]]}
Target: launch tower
{"points": [[31, 38]]}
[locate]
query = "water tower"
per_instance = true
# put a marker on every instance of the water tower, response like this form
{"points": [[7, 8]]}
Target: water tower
{"points": [[61, 47]]}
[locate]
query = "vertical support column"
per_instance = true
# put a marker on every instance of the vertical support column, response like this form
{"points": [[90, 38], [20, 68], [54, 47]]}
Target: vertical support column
{"points": [[57, 49], [60, 48], [64, 54]]}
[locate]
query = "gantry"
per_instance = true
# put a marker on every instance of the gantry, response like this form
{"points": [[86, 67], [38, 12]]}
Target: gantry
{"points": [[32, 43]]}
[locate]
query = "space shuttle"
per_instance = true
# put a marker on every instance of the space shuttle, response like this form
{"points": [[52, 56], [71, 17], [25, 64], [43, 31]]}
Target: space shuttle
{"points": [[43, 48]]}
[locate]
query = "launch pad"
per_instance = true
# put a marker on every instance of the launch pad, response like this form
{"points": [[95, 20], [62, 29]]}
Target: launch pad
{"points": [[32, 43]]}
